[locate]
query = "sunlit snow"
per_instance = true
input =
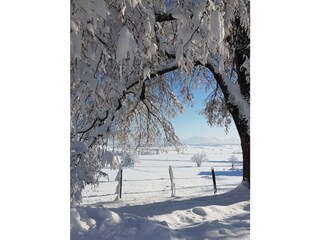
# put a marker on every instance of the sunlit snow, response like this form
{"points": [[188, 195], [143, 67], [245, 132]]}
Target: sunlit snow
{"points": [[147, 209]]}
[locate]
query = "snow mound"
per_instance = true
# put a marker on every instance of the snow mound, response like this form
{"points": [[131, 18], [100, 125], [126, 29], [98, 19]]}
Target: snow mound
{"points": [[95, 223], [199, 211]]}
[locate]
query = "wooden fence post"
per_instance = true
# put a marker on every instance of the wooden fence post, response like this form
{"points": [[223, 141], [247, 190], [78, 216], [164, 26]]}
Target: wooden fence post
{"points": [[173, 187], [214, 180], [119, 186], [120, 182]]}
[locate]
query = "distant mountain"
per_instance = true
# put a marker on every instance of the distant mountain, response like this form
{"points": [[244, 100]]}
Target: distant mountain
{"points": [[209, 141], [232, 140]]}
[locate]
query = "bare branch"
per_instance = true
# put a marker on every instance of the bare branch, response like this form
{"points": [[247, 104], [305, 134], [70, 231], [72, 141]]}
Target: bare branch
{"points": [[164, 17], [168, 68]]}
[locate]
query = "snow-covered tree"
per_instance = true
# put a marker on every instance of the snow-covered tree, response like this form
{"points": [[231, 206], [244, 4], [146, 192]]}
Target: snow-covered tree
{"points": [[233, 159], [199, 158], [129, 159], [127, 56]]}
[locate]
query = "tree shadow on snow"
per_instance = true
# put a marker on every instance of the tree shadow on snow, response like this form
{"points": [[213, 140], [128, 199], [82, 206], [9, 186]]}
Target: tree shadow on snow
{"points": [[239, 194], [235, 172], [234, 227]]}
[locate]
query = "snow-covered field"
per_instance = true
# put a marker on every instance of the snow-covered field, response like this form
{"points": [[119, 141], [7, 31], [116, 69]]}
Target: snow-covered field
{"points": [[148, 211]]}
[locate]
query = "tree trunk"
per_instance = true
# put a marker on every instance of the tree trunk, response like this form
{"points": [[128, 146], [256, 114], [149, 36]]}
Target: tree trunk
{"points": [[242, 39], [241, 124], [242, 128], [245, 145]]}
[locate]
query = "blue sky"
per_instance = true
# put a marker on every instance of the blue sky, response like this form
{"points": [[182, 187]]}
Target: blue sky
{"points": [[191, 123]]}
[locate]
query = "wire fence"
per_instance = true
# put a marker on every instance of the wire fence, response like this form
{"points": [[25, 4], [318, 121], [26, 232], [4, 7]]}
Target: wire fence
{"points": [[156, 182]]}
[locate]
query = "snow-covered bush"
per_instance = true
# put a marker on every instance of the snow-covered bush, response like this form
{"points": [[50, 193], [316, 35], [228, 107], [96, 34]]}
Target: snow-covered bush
{"points": [[129, 159], [110, 158], [85, 167], [233, 159], [199, 158]]}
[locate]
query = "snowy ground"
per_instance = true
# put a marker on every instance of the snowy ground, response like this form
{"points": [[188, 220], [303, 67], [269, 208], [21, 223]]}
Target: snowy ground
{"points": [[147, 210]]}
